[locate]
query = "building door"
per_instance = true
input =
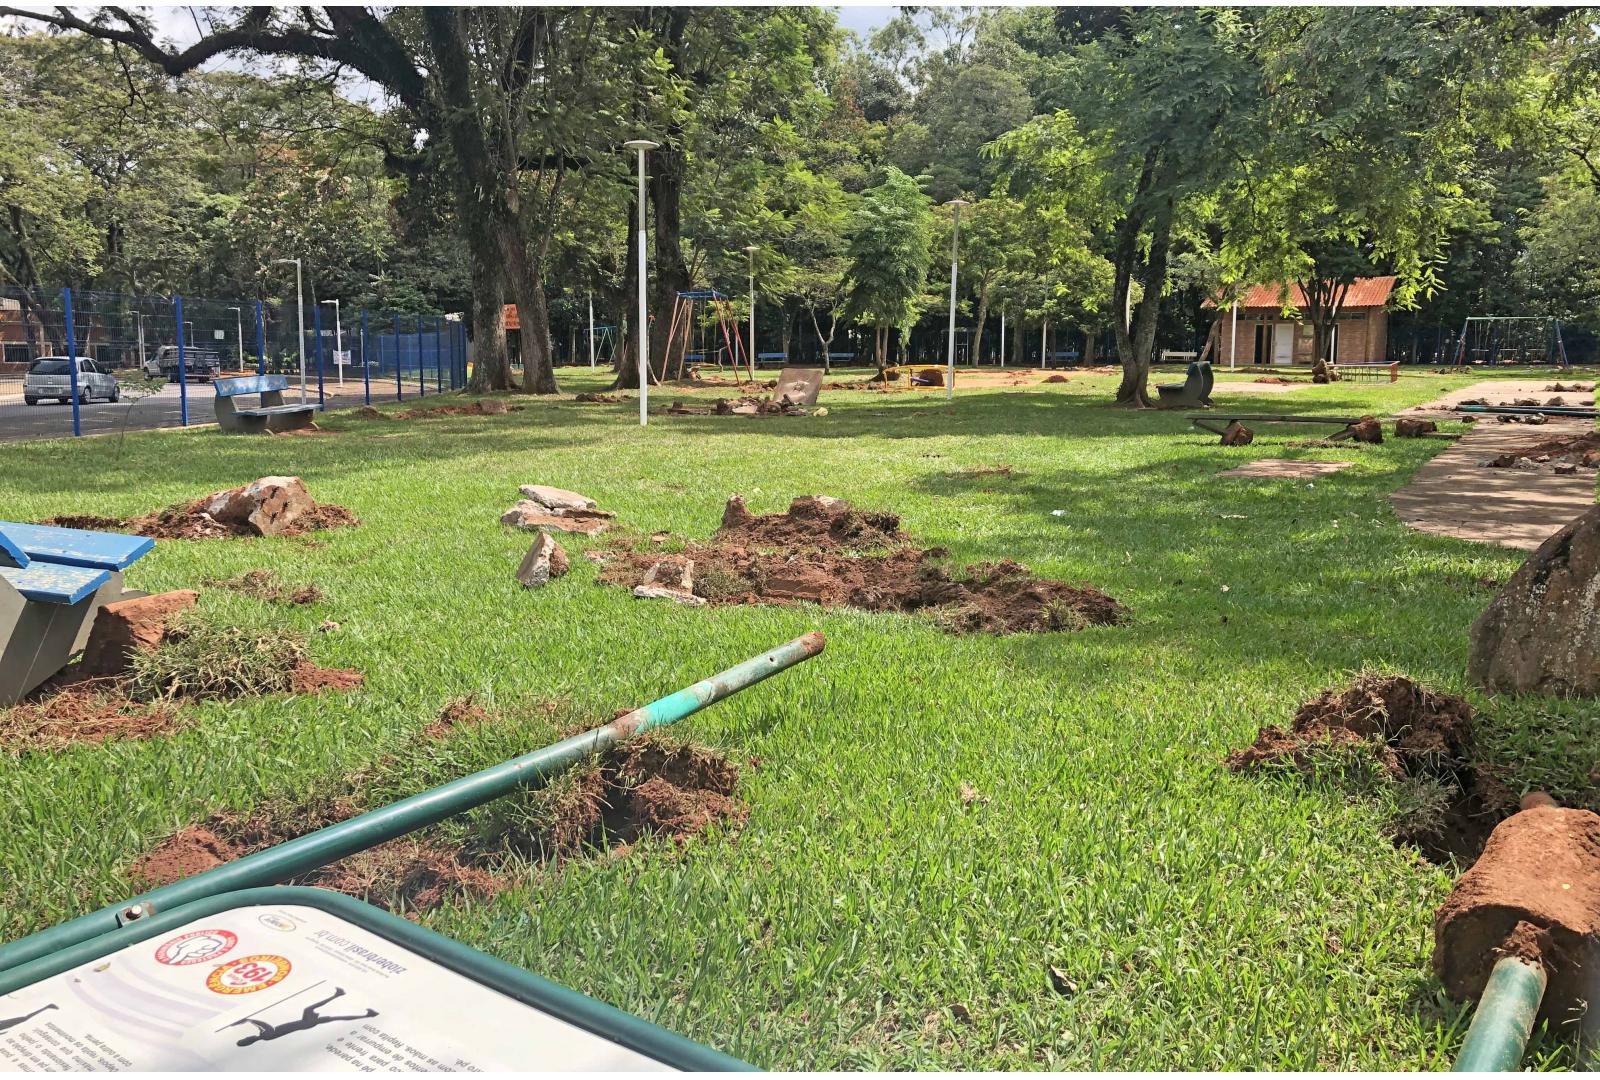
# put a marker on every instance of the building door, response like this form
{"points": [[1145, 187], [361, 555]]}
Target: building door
{"points": [[1262, 343], [1283, 343]]}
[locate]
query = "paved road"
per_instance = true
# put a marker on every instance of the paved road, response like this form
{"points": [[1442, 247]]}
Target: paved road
{"points": [[19, 421]]}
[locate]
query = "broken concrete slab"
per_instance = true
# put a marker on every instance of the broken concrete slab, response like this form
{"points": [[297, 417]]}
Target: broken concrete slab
{"points": [[798, 386], [545, 561], [1277, 469], [555, 498], [267, 506], [528, 514]]}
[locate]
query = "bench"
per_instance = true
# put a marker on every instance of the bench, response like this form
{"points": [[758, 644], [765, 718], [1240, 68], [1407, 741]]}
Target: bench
{"points": [[271, 415], [772, 358], [833, 356], [1194, 390], [53, 582], [1371, 372], [1066, 356], [1177, 356]]}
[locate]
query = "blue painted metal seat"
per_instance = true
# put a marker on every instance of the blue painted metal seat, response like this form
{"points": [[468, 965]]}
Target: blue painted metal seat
{"points": [[270, 415], [53, 582], [772, 358]]}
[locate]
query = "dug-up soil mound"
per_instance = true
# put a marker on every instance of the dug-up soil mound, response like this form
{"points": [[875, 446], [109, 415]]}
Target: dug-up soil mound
{"points": [[812, 554], [1413, 734], [490, 407], [197, 520], [1578, 451], [645, 787]]}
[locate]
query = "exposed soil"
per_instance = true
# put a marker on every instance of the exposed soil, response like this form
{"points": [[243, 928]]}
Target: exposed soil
{"points": [[600, 399], [978, 471], [265, 585], [190, 521], [1411, 733], [308, 678], [477, 408], [810, 554], [645, 787], [89, 710], [1581, 449], [1056, 379], [458, 712], [741, 406]]}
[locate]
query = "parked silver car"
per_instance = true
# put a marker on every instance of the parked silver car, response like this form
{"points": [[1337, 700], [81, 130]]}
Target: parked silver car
{"points": [[47, 377]]}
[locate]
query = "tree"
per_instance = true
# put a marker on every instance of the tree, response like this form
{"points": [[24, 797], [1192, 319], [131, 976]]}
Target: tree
{"points": [[889, 255]]}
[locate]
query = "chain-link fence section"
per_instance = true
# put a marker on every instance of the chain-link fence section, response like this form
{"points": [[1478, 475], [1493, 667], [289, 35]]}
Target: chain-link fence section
{"points": [[149, 361]]}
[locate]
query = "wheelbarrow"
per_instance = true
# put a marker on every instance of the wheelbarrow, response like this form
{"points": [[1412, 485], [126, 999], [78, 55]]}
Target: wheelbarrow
{"points": [[231, 970]]}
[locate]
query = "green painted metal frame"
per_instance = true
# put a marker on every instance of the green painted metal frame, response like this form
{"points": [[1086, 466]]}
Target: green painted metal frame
{"points": [[306, 853], [1504, 1019], [583, 1012]]}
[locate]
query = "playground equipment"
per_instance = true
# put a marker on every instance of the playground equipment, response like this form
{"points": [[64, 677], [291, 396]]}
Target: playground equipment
{"points": [[1520, 933], [689, 318], [432, 1001], [1511, 339]]}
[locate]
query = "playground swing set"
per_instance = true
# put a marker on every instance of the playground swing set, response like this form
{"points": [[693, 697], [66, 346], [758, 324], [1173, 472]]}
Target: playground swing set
{"points": [[1511, 339], [700, 312]]}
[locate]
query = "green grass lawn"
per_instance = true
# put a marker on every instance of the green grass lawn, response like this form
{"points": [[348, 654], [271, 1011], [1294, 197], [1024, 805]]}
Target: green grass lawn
{"points": [[865, 918]]}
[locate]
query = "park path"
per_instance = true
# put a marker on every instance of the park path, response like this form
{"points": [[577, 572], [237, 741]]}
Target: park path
{"points": [[1454, 495]]}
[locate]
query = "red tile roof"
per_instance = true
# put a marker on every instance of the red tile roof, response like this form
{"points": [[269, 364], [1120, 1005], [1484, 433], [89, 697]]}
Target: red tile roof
{"points": [[1364, 293]]}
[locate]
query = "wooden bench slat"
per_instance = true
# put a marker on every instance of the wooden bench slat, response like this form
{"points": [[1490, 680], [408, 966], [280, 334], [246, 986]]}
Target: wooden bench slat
{"points": [[77, 547], [54, 583], [276, 410], [10, 551], [250, 384]]}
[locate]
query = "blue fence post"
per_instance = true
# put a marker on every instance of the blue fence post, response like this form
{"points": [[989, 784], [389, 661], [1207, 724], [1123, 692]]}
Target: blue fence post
{"points": [[438, 354], [183, 369], [261, 341], [422, 373], [316, 322], [399, 387], [366, 368], [72, 360]]}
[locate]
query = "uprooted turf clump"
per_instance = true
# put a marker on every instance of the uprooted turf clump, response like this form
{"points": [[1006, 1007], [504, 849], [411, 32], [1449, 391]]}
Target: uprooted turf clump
{"points": [[1419, 743], [641, 788], [85, 711], [822, 551]]}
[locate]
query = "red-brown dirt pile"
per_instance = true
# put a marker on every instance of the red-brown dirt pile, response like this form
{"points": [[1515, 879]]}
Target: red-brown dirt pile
{"points": [[87, 710], [256, 509], [490, 407], [809, 554]]}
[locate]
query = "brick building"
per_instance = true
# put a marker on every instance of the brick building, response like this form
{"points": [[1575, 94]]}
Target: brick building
{"points": [[1268, 336]]}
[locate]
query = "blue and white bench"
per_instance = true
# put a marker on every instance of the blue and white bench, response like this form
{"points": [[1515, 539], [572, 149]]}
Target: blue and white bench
{"points": [[53, 582], [270, 415], [840, 357]]}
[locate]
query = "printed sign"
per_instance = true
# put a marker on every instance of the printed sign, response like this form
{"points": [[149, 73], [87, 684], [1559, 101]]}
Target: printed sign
{"points": [[281, 989]]}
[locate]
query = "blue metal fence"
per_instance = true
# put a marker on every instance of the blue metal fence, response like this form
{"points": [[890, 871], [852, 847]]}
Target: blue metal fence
{"points": [[145, 361]]}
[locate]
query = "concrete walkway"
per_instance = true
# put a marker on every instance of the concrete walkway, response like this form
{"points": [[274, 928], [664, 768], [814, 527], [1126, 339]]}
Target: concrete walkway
{"points": [[1454, 495]]}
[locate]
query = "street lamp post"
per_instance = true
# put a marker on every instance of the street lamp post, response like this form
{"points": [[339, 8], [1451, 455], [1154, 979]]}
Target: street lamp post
{"points": [[642, 145], [955, 240], [140, 315], [591, 329], [751, 251], [238, 322], [338, 340], [300, 320]]}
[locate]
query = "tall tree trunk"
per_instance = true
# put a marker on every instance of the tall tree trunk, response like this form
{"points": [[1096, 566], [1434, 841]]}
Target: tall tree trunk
{"points": [[491, 369], [533, 314], [983, 317]]}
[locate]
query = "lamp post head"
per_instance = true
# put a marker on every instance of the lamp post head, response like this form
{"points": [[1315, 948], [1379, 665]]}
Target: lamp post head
{"points": [[640, 144], [959, 203], [752, 248]]}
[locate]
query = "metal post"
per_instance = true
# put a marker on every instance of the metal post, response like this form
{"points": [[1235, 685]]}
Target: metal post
{"points": [[641, 145], [72, 360], [399, 386], [950, 357], [1002, 337], [366, 368], [751, 251], [183, 369], [338, 341], [316, 323], [438, 354], [261, 341], [140, 316], [1044, 341], [238, 323], [319, 848], [1233, 338], [591, 329], [422, 375], [1504, 1018]]}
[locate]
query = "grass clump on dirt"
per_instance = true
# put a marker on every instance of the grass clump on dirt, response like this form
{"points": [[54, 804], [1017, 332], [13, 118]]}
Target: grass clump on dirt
{"points": [[200, 660], [265, 585]]}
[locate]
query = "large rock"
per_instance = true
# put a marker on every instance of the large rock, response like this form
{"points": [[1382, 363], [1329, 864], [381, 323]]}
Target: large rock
{"points": [[1407, 427], [1367, 430], [545, 561], [1541, 633], [1236, 434], [266, 506], [129, 626]]}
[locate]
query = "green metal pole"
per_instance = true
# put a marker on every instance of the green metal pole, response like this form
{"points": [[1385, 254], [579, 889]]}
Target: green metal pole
{"points": [[307, 853], [1504, 1020]]}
